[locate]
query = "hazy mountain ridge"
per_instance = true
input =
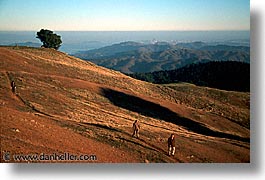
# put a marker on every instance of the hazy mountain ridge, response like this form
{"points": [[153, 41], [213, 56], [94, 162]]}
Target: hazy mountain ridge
{"points": [[27, 44], [130, 57]]}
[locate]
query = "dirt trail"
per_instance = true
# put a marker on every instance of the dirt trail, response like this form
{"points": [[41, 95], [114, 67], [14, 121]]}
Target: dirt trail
{"points": [[8, 82], [17, 96]]}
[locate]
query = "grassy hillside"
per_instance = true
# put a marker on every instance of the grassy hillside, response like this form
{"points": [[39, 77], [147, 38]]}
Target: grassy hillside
{"points": [[228, 75], [64, 104]]}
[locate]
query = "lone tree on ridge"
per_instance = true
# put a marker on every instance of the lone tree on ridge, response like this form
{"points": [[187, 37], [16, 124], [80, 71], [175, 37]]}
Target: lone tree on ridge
{"points": [[49, 39]]}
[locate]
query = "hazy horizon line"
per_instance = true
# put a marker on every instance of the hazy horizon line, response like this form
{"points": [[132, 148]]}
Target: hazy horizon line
{"points": [[122, 30]]}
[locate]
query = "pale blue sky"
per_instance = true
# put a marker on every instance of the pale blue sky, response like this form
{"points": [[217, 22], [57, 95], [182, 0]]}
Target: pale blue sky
{"points": [[124, 15]]}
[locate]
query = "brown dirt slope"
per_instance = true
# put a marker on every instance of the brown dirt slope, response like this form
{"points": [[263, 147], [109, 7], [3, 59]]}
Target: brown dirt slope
{"points": [[66, 105]]}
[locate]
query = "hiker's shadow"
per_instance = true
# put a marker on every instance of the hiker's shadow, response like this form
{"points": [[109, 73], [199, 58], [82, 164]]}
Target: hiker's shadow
{"points": [[157, 111]]}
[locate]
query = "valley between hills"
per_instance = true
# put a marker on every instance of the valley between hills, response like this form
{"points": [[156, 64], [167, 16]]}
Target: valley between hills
{"points": [[64, 104]]}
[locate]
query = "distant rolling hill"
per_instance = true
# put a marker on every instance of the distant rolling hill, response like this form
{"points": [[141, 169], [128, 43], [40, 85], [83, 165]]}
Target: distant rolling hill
{"points": [[228, 75], [131, 57], [27, 44]]}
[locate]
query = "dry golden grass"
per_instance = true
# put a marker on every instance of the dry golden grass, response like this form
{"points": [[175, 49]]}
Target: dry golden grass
{"points": [[84, 108]]}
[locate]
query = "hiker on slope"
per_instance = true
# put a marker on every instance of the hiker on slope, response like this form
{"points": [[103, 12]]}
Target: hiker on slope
{"points": [[13, 86], [136, 128], [171, 145]]}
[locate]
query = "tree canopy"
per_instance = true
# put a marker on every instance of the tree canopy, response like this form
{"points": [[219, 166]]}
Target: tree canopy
{"points": [[49, 39], [227, 75]]}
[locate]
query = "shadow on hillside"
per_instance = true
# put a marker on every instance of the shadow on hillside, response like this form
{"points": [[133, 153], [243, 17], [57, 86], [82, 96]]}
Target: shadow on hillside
{"points": [[157, 111]]}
